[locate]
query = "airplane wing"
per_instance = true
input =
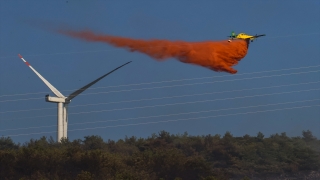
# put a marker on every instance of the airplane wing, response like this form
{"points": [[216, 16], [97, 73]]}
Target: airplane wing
{"points": [[258, 35]]}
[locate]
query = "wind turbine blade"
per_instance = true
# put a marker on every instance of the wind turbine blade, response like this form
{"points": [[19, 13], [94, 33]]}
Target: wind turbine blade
{"points": [[77, 92], [52, 88]]}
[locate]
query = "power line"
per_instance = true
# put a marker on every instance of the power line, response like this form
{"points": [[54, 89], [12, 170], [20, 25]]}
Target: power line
{"points": [[195, 118], [201, 111], [194, 112], [169, 97], [128, 90], [178, 80], [156, 122], [217, 92], [190, 102], [200, 83]]}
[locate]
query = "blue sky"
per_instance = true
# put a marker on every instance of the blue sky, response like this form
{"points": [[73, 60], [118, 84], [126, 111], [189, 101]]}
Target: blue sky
{"points": [[257, 98]]}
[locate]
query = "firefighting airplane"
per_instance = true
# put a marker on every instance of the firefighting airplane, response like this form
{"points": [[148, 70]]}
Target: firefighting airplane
{"points": [[243, 36]]}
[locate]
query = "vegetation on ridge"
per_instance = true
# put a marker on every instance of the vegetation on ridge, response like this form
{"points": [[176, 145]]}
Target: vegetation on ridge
{"points": [[161, 156]]}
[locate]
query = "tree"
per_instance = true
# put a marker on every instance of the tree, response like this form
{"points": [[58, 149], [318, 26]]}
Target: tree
{"points": [[260, 136], [307, 136], [93, 142], [7, 143]]}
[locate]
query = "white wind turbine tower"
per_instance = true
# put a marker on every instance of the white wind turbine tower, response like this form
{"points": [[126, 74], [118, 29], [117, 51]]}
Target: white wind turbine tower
{"points": [[63, 101]]}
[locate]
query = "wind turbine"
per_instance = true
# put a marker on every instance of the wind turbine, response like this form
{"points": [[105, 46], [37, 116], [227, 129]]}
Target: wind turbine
{"points": [[63, 101]]}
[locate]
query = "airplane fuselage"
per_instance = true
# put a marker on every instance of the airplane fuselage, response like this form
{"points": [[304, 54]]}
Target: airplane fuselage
{"points": [[244, 36]]}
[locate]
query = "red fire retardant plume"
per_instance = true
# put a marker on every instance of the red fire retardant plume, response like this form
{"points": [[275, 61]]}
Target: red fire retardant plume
{"points": [[215, 55]]}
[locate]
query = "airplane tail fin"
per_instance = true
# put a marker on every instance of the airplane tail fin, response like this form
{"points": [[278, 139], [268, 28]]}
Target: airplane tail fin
{"points": [[233, 34]]}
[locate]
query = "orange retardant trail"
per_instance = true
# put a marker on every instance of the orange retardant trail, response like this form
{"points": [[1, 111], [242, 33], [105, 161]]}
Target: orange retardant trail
{"points": [[215, 55]]}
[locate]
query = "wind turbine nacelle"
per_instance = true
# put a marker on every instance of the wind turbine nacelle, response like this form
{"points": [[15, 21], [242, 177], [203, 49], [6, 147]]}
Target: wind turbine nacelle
{"points": [[55, 99]]}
